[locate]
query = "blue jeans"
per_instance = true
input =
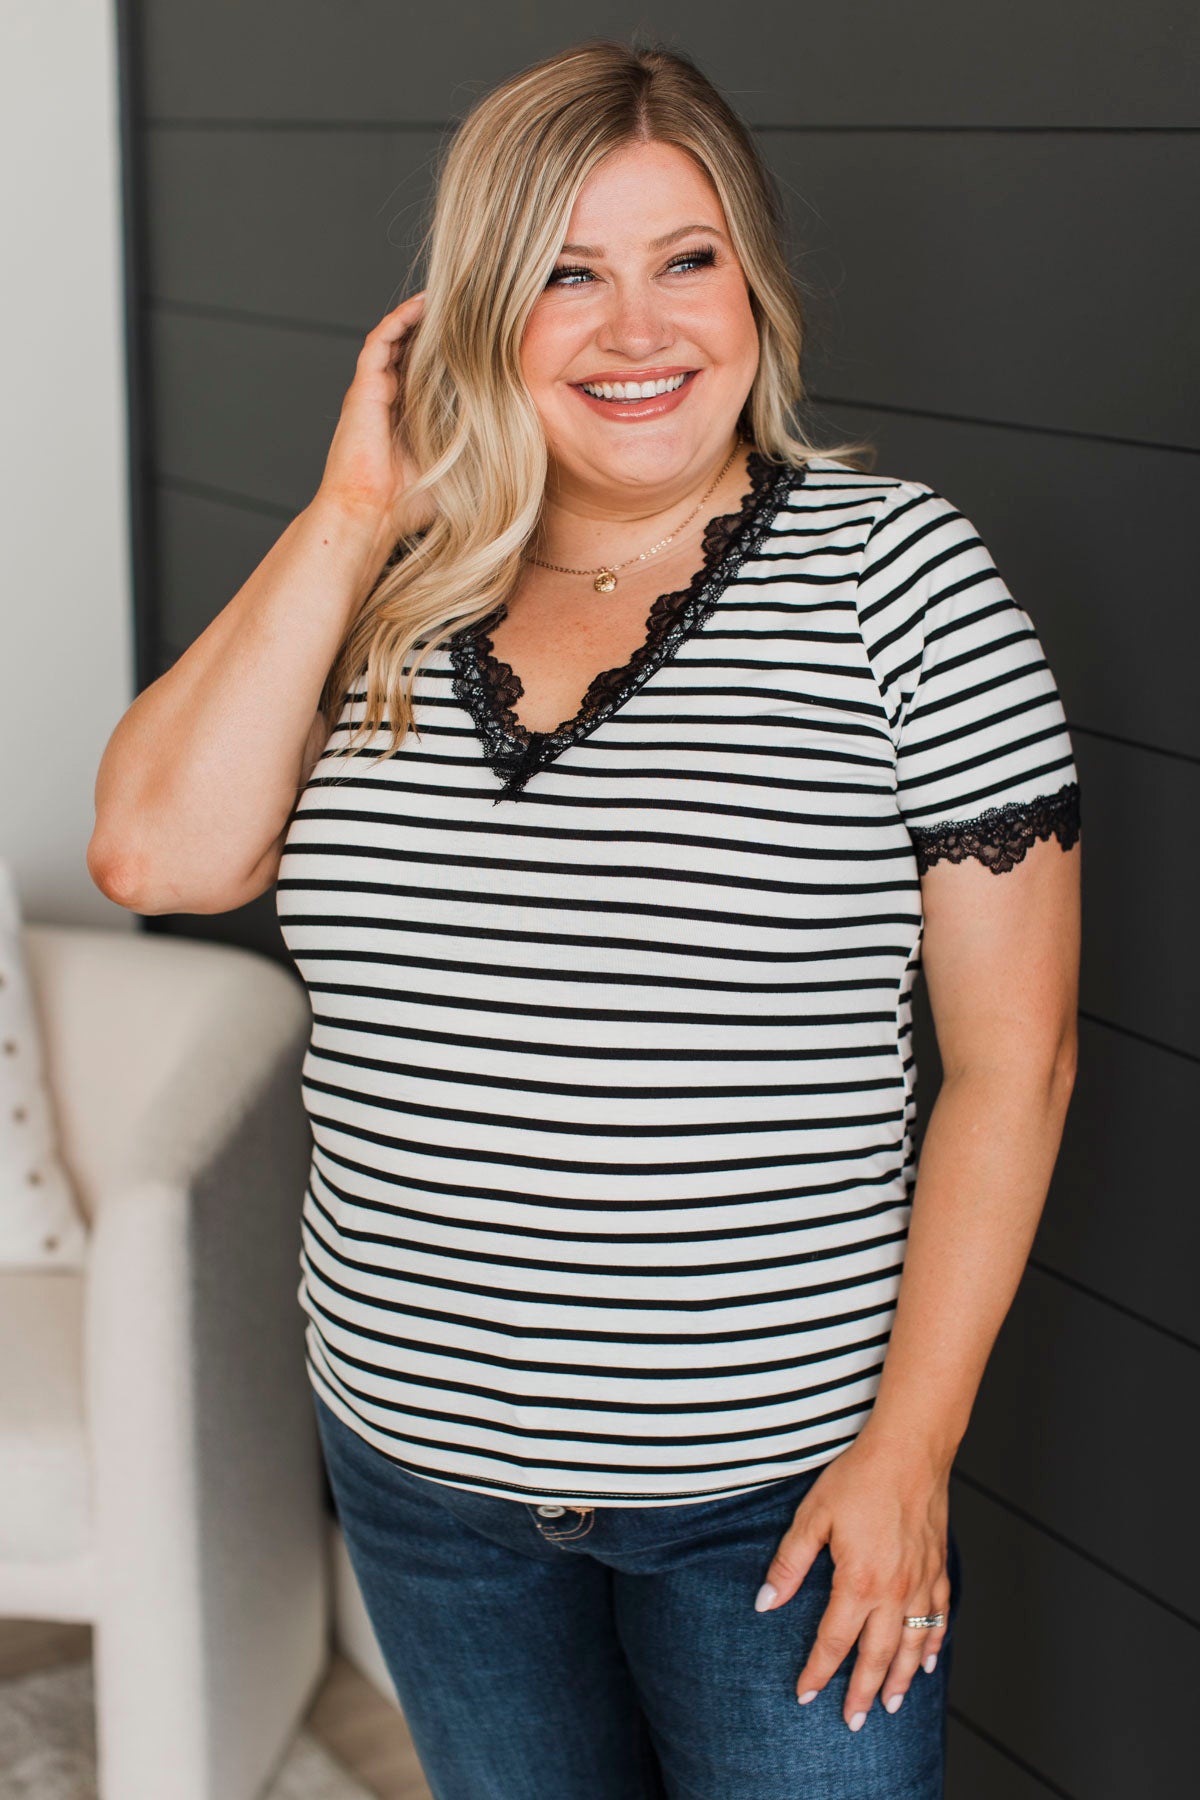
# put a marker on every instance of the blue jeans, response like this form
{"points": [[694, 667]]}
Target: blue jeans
{"points": [[613, 1652]]}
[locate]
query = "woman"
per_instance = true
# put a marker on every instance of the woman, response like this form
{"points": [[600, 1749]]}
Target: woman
{"points": [[637, 1388]]}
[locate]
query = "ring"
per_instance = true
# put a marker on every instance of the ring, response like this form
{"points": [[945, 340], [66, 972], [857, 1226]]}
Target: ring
{"points": [[927, 1622]]}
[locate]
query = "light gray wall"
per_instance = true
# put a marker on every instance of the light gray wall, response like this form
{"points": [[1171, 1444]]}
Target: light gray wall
{"points": [[66, 614], [992, 206]]}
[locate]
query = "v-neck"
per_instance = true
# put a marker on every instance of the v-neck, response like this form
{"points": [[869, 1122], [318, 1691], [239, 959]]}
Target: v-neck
{"points": [[487, 688]]}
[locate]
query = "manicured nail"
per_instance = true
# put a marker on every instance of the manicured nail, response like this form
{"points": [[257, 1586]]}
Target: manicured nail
{"points": [[765, 1597], [805, 1698], [858, 1721], [894, 1704], [930, 1664]]}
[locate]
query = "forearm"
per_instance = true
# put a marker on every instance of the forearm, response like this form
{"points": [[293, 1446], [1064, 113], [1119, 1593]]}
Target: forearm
{"points": [[986, 1161]]}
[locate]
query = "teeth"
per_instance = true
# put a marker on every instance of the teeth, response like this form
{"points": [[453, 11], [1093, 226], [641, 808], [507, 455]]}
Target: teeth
{"points": [[632, 390]]}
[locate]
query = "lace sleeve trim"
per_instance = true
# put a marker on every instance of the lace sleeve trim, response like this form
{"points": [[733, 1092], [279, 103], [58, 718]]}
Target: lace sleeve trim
{"points": [[1000, 836]]}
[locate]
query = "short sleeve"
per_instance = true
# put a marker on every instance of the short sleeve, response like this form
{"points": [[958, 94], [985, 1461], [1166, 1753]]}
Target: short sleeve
{"points": [[984, 760]]}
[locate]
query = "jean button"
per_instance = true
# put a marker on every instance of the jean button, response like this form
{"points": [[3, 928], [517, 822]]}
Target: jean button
{"points": [[552, 1512]]}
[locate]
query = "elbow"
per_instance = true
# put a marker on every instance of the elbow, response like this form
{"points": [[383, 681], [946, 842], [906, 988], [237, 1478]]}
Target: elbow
{"points": [[1061, 1067], [124, 879], [1066, 1060], [1043, 1065], [127, 882], [116, 875]]}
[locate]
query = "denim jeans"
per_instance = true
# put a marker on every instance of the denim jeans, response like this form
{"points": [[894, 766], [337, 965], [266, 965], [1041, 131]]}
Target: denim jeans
{"points": [[613, 1652]]}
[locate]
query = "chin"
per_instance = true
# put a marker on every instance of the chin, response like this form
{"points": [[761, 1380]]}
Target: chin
{"points": [[646, 452]]}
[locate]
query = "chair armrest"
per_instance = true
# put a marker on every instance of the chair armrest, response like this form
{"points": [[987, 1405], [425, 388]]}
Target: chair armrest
{"points": [[176, 1066], [155, 1048]]}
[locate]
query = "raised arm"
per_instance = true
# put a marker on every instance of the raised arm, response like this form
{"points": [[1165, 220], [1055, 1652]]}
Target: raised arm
{"points": [[200, 776]]}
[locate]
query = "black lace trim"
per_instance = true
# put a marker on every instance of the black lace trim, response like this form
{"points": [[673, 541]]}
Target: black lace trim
{"points": [[1000, 836], [490, 688]]}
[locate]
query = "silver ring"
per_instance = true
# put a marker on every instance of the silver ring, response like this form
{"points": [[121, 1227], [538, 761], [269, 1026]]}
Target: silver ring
{"points": [[927, 1622]]}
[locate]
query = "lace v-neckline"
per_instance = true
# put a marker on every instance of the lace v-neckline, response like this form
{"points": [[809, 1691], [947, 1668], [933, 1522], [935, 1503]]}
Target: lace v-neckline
{"points": [[488, 688]]}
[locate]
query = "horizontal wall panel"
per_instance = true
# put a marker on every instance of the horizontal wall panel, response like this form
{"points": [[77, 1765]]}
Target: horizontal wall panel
{"points": [[1122, 1216], [247, 408], [1130, 1396], [1039, 279], [1073, 525], [871, 63], [315, 227], [1120, 1219], [1084, 1679], [207, 549], [977, 1771], [1141, 875]]}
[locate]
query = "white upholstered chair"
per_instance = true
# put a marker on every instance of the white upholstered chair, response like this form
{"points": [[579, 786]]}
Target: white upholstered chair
{"points": [[160, 1469]]}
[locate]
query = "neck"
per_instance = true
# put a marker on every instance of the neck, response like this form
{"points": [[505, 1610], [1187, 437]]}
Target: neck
{"points": [[579, 520]]}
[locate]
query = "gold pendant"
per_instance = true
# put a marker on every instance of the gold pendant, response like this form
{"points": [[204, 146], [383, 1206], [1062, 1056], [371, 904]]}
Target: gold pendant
{"points": [[605, 582]]}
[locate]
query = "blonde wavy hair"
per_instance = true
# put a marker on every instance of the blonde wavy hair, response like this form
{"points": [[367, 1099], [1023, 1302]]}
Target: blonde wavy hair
{"points": [[504, 194]]}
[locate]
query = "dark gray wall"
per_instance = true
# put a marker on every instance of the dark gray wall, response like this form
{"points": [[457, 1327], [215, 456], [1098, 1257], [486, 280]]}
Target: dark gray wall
{"points": [[993, 207]]}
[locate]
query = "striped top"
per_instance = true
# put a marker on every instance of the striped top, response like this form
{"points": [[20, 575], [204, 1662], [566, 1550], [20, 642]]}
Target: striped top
{"points": [[611, 1079]]}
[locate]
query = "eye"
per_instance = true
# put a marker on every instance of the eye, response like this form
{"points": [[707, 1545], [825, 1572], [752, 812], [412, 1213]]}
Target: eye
{"points": [[698, 259], [575, 274], [559, 276]]}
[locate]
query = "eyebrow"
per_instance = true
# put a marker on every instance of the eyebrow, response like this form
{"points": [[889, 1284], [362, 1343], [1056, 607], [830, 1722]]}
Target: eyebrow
{"points": [[659, 243]]}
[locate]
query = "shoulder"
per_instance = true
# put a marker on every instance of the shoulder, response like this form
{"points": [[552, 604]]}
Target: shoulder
{"points": [[826, 483], [828, 502]]}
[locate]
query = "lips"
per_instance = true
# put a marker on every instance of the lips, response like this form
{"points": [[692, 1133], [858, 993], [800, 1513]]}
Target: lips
{"points": [[625, 391], [671, 388]]}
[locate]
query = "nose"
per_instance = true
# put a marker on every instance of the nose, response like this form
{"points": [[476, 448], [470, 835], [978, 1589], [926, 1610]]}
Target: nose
{"points": [[636, 323]]}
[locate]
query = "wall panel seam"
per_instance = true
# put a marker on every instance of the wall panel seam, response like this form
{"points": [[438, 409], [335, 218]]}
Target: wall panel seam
{"points": [[1140, 1037], [1128, 743], [258, 122], [202, 490], [1011, 1756], [1054, 431], [1059, 1537], [1118, 1306]]}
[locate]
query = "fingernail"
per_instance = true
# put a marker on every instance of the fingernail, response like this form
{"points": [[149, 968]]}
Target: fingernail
{"points": [[765, 1597], [805, 1698], [930, 1664], [858, 1721], [894, 1704]]}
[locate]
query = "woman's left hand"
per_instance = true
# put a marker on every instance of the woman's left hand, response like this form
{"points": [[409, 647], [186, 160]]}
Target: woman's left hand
{"points": [[884, 1517]]}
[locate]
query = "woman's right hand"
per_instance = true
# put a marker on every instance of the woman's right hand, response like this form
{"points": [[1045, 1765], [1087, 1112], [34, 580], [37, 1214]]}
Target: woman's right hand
{"points": [[367, 469]]}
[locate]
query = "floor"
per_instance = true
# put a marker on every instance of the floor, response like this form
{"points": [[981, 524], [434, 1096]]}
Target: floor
{"points": [[352, 1720]]}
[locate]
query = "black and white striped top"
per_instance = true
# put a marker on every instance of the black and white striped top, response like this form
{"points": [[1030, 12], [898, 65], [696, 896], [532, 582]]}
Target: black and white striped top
{"points": [[611, 1078]]}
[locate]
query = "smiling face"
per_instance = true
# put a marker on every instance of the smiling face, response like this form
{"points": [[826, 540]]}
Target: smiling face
{"points": [[646, 290]]}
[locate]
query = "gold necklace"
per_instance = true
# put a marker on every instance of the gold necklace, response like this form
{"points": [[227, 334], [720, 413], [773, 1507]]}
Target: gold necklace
{"points": [[606, 575]]}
